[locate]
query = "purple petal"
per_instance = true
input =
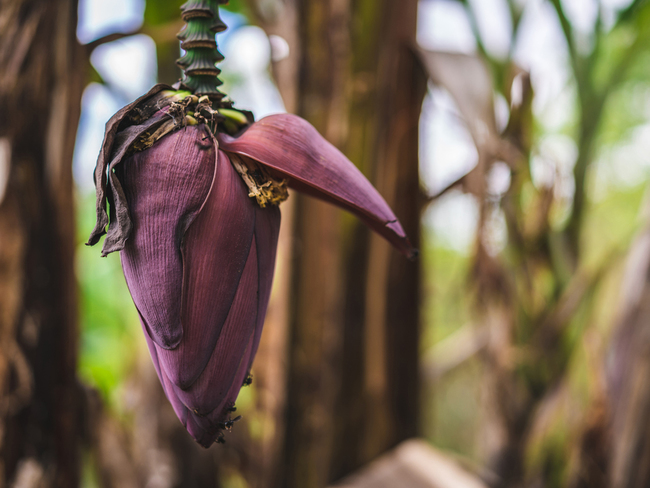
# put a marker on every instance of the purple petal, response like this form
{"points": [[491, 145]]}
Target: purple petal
{"points": [[215, 252], [203, 428], [165, 186], [292, 147], [267, 230], [210, 423], [209, 390], [180, 409], [199, 433]]}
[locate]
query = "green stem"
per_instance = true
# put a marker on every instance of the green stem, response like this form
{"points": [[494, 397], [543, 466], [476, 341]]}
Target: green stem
{"points": [[198, 40]]}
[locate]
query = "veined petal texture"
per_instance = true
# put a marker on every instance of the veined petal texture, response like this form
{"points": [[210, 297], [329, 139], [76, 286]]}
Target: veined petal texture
{"points": [[165, 187], [215, 253], [209, 391], [200, 270], [222, 315], [267, 230]]}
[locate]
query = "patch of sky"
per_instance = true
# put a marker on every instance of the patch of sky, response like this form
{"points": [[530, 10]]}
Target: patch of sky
{"points": [[127, 66], [97, 106], [624, 165], [498, 179], [453, 221], [494, 26], [540, 48], [98, 18], [443, 25], [552, 164], [447, 151], [582, 14], [248, 57]]}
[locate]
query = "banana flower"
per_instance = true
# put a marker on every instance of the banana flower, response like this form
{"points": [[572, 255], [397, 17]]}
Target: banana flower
{"points": [[194, 213]]}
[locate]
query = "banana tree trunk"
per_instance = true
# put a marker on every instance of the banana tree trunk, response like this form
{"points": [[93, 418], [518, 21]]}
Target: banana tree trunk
{"points": [[40, 96], [353, 307]]}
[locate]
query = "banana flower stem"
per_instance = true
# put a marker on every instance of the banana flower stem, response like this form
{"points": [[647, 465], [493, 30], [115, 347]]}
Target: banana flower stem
{"points": [[200, 75]]}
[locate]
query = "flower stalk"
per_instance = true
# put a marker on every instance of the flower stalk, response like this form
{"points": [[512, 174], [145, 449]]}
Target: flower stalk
{"points": [[201, 76]]}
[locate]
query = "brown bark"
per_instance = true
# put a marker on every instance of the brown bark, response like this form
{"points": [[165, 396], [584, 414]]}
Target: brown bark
{"points": [[354, 303], [628, 445], [388, 90], [40, 96], [315, 301], [264, 456]]}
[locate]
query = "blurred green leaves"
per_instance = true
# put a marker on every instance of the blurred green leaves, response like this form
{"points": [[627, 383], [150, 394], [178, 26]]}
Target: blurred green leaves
{"points": [[109, 322]]}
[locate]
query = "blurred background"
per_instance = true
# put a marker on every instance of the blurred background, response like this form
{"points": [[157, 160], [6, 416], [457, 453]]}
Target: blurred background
{"points": [[512, 139]]}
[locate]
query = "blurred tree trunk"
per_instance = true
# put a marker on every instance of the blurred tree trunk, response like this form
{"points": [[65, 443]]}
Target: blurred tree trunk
{"points": [[43, 70], [353, 307], [626, 428]]}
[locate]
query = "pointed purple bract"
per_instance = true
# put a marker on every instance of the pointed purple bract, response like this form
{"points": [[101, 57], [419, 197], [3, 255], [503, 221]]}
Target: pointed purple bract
{"points": [[291, 146], [205, 395]]}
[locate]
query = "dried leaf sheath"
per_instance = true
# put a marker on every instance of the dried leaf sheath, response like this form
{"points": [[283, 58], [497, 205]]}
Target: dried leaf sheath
{"points": [[134, 113]]}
